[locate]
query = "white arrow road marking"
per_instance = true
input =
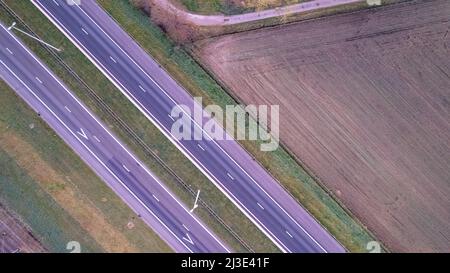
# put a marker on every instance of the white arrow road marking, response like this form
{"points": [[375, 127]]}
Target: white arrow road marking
{"points": [[83, 134], [196, 200], [188, 239]]}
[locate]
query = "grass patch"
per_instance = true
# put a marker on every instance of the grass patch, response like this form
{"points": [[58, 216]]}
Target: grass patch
{"points": [[280, 163], [157, 148]]}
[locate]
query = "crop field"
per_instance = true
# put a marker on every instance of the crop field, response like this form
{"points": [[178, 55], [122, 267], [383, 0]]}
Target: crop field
{"points": [[365, 107]]}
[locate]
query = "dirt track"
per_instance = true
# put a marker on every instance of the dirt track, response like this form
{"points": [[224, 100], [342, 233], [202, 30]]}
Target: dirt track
{"points": [[365, 104]]}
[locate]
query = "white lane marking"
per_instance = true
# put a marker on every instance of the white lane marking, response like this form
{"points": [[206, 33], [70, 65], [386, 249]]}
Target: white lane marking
{"points": [[142, 88], [260, 205], [155, 198], [200, 146], [100, 66], [186, 152], [83, 134], [125, 167], [39, 80], [230, 176], [85, 32], [172, 118], [9, 51], [67, 108], [112, 59], [96, 139], [56, 3], [188, 239], [287, 232], [185, 227]]}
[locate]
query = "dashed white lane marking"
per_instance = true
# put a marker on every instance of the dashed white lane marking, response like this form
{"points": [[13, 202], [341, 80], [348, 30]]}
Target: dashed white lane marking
{"points": [[85, 32], [185, 227], [96, 138], [67, 108], [142, 88], [200, 146], [39, 80], [9, 51], [112, 59], [230, 176], [287, 232], [171, 117], [155, 198], [56, 3], [260, 205], [125, 167]]}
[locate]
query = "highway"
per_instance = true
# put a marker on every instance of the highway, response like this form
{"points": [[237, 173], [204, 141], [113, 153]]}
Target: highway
{"points": [[250, 187], [101, 150]]}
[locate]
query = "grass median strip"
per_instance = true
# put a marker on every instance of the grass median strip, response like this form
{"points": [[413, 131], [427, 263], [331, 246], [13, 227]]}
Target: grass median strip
{"points": [[141, 136]]}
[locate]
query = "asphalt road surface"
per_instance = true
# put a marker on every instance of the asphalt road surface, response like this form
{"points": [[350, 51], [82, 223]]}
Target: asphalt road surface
{"points": [[101, 150], [257, 194]]}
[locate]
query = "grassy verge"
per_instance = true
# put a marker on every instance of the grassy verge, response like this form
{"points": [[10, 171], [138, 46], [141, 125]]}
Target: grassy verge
{"points": [[140, 135], [199, 83], [56, 194]]}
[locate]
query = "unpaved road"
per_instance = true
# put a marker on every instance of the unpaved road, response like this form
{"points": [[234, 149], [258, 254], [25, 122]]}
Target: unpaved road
{"points": [[224, 20]]}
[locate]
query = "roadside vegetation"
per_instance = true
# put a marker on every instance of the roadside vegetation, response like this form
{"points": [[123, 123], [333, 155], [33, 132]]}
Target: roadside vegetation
{"points": [[127, 122]]}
